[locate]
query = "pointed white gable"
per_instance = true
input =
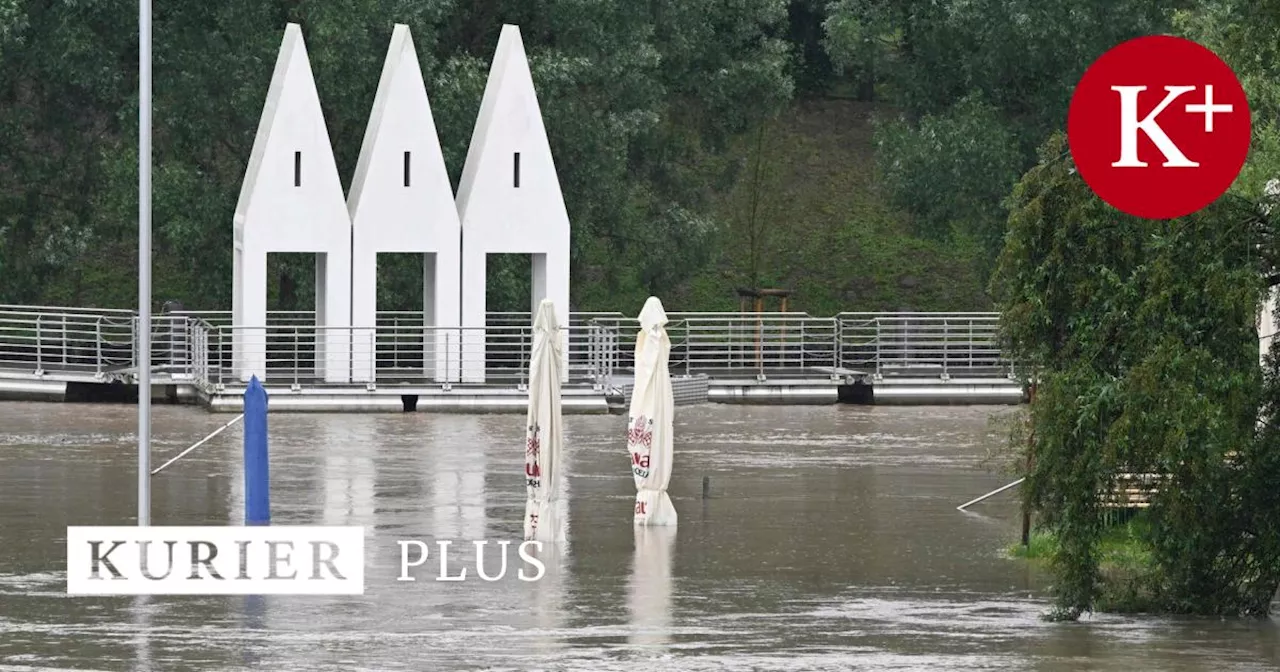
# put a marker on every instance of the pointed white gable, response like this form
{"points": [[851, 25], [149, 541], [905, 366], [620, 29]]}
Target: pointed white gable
{"points": [[292, 174], [480, 134], [510, 121], [401, 201], [509, 198], [291, 201], [401, 121]]}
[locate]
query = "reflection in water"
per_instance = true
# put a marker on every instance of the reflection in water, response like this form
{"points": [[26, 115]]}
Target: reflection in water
{"points": [[350, 470], [232, 442], [830, 542], [142, 633], [458, 490], [549, 598], [650, 596], [254, 620]]}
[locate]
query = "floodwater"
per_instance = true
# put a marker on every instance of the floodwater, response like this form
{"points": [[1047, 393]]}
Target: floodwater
{"points": [[830, 541]]}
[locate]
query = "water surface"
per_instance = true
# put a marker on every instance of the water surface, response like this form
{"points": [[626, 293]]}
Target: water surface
{"points": [[830, 542]]}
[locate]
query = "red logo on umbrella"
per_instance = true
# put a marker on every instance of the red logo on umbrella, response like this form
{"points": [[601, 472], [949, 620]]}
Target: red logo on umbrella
{"points": [[533, 443], [640, 433]]}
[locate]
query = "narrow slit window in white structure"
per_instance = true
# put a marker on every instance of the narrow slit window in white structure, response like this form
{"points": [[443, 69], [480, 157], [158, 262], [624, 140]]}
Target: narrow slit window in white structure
{"points": [[406, 168], [297, 169]]}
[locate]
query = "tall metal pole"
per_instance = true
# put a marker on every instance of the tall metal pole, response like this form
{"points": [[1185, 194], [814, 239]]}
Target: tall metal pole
{"points": [[144, 262]]}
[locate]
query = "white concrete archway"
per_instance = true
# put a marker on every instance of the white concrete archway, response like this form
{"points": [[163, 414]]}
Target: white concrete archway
{"points": [[291, 201], [401, 201], [509, 199]]}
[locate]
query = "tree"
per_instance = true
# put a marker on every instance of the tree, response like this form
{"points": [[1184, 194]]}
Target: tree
{"points": [[1145, 344], [953, 171], [979, 83]]}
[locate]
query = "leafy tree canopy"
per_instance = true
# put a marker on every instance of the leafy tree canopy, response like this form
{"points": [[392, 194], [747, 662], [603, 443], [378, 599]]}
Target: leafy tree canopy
{"points": [[1145, 344]]}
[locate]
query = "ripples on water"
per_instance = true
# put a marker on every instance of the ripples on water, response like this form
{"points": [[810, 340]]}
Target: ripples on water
{"points": [[831, 542]]}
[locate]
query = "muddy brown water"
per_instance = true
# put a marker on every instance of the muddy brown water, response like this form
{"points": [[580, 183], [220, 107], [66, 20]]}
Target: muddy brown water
{"points": [[830, 542]]}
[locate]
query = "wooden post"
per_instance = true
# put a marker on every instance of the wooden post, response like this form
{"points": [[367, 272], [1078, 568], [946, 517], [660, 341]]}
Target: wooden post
{"points": [[1026, 510], [1026, 513]]}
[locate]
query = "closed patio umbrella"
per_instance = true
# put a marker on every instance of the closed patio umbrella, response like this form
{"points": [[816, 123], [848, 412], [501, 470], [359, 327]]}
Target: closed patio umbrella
{"points": [[544, 437], [650, 443]]}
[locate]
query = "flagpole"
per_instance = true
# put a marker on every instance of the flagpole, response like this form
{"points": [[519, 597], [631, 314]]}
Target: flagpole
{"points": [[144, 262]]}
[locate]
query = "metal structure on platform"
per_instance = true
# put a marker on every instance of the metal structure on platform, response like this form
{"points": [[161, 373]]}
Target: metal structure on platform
{"points": [[743, 357]]}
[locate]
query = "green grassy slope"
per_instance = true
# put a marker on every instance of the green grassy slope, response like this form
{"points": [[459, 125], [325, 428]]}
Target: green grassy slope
{"points": [[823, 228]]}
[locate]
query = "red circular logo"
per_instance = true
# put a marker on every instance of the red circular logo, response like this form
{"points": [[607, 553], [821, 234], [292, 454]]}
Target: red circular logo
{"points": [[1159, 127]]}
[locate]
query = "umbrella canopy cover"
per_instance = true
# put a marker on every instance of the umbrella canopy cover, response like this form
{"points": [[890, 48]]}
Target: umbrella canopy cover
{"points": [[544, 437], [650, 443]]}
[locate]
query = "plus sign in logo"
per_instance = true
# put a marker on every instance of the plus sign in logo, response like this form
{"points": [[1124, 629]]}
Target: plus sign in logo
{"points": [[1159, 127]]}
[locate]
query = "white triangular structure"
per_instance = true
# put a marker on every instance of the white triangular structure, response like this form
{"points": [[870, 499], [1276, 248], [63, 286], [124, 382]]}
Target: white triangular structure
{"points": [[401, 201], [509, 199], [291, 201]]}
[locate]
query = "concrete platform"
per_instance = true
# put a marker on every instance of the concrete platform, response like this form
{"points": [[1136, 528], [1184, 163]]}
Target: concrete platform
{"points": [[819, 386], [802, 391], [32, 388], [935, 391], [404, 400]]}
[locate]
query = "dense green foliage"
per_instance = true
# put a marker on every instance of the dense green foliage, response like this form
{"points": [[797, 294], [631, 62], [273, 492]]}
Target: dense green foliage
{"points": [[1145, 338], [1146, 347], [810, 214], [633, 94], [980, 84], [654, 111]]}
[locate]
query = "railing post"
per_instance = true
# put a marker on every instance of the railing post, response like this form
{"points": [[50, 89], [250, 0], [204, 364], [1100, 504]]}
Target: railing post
{"points": [[97, 342], [591, 355], [448, 364], [804, 341], [837, 344], [222, 355], [971, 345], [296, 356], [946, 340], [688, 349], [39, 346], [877, 322], [64, 340]]}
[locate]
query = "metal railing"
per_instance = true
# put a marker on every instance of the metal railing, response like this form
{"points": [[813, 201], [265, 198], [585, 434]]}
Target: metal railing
{"points": [[923, 344], [99, 343], [404, 355], [737, 344], [400, 349]]}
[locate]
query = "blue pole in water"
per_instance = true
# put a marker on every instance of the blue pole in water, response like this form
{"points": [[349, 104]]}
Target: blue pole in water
{"points": [[257, 490]]}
